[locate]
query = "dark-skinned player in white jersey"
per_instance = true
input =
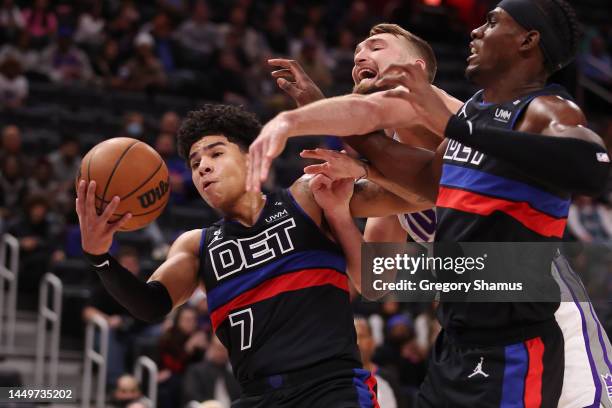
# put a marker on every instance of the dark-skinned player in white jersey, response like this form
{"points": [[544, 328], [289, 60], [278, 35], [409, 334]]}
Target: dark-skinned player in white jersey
{"points": [[514, 155]]}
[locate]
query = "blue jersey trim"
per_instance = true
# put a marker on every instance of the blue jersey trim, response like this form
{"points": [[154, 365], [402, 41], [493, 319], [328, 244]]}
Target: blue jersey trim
{"points": [[296, 261], [488, 184]]}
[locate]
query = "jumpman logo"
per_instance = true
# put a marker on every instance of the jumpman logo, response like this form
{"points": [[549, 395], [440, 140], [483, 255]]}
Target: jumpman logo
{"points": [[462, 112], [478, 370]]}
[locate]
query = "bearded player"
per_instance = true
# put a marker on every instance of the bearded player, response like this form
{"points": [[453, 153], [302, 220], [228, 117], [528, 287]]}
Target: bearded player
{"points": [[514, 155], [387, 44]]}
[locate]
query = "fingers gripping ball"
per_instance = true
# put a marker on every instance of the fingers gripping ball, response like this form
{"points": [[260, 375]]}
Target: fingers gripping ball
{"points": [[132, 170]]}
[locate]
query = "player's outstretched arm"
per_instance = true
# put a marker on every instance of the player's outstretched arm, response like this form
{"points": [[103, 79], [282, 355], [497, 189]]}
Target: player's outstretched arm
{"points": [[291, 78], [146, 301], [339, 165], [550, 142], [333, 197]]}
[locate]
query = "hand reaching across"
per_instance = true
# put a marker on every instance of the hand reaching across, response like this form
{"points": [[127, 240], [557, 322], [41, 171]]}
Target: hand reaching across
{"points": [[333, 196], [412, 84], [292, 79], [96, 232], [338, 165], [269, 145]]}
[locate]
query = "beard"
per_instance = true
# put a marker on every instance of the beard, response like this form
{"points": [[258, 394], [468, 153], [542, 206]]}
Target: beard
{"points": [[368, 88]]}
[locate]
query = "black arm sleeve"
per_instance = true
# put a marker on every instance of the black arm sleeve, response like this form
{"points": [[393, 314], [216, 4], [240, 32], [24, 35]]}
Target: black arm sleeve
{"points": [[145, 301], [568, 164]]}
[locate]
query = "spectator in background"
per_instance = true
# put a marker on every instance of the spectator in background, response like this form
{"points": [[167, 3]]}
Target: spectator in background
{"points": [[11, 145], [133, 125], [38, 231], [13, 188], [176, 9], [170, 123], [400, 352], [43, 182], [144, 71], [127, 391], [314, 64], [426, 328], [179, 174], [20, 50], [11, 21], [211, 378], [275, 30], [161, 29], [230, 71], [64, 62], [343, 56], [182, 345], [596, 63], [243, 36], [358, 19], [387, 384], [90, 26], [124, 27], [13, 85], [198, 34], [590, 221], [124, 331], [66, 161], [106, 64], [40, 23]]}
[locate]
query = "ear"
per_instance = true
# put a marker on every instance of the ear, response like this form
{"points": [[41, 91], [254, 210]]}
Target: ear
{"points": [[421, 63], [531, 40]]}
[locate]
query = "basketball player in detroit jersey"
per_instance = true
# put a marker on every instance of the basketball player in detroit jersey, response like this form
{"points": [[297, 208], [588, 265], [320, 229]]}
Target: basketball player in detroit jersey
{"points": [[387, 44], [276, 281], [513, 156]]}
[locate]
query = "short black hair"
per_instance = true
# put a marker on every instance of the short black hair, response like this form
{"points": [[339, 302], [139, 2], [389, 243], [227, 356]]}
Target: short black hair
{"points": [[234, 122], [564, 21]]}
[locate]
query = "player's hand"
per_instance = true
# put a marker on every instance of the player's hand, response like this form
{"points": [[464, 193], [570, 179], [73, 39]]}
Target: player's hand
{"points": [[96, 232], [338, 165], [292, 79], [412, 84], [269, 145], [333, 196]]}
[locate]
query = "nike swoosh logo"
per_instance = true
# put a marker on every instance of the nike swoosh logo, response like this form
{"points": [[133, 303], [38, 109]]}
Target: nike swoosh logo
{"points": [[103, 264]]}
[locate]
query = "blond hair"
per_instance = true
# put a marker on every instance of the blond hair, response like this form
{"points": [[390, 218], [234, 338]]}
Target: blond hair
{"points": [[419, 46]]}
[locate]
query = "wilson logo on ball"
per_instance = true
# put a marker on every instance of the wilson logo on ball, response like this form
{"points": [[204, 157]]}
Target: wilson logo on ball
{"points": [[152, 196]]}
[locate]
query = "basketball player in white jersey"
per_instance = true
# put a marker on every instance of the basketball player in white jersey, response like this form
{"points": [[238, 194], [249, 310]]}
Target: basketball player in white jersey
{"points": [[387, 44]]}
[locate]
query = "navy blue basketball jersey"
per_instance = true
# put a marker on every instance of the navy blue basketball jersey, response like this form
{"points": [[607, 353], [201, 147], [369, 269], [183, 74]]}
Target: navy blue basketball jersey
{"points": [[482, 198], [485, 199], [277, 292]]}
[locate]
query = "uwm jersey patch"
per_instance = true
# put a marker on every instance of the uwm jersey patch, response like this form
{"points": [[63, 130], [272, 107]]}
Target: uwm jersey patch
{"points": [[277, 292], [484, 199]]}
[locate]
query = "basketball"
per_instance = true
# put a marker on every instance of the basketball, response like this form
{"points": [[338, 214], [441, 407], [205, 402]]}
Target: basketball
{"points": [[132, 170]]}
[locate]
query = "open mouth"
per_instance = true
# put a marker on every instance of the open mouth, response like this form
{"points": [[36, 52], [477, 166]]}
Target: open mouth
{"points": [[208, 184], [366, 73]]}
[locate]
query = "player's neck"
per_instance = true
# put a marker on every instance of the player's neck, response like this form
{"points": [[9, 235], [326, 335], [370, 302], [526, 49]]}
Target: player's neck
{"points": [[512, 85], [246, 209]]}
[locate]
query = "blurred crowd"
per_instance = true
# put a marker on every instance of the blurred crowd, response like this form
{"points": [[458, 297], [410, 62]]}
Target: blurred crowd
{"points": [[209, 50]]}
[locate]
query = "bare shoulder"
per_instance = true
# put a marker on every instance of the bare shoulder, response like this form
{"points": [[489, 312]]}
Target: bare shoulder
{"points": [[544, 110], [187, 242], [300, 190], [452, 103]]}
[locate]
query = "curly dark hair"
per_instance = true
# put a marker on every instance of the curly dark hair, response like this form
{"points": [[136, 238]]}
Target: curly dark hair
{"points": [[234, 122], [564, 21]]}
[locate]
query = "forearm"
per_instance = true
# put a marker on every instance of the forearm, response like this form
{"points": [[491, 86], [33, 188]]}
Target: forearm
{"points": [[405, 168], [348, 235], [570, 164], [416, 201], [339, 116], [145, 301]]}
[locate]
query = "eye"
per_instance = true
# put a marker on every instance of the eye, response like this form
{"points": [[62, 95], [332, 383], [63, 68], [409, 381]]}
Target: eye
{"points": [[216, 154], [195, 165]]}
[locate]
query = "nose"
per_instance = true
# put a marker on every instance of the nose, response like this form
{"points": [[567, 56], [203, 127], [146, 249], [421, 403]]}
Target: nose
{"points": [[477, 32], [360, 56], [205, 168]]}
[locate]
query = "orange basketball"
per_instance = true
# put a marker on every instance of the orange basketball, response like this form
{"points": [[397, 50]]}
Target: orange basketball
{"points": [[132, 170]]}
